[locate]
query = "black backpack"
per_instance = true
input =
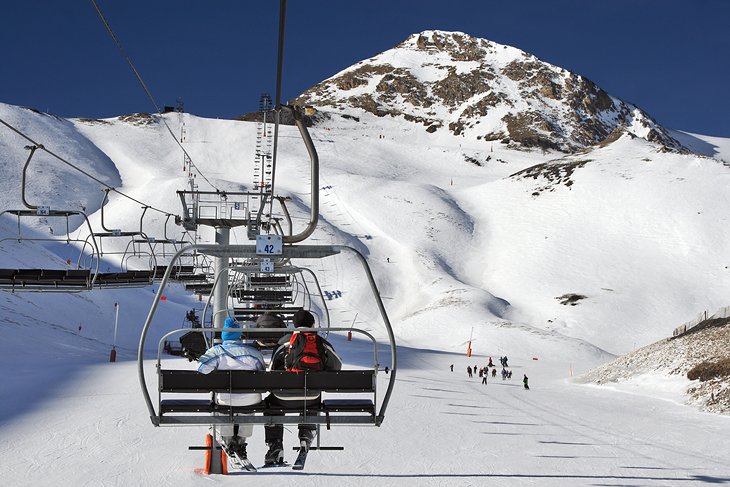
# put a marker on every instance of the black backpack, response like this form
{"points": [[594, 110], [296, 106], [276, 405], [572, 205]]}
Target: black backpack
{"points": [[306, 352]]}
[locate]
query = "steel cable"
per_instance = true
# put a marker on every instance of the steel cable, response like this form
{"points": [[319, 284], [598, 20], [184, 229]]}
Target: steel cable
{"points": [[91, 176], [147, 91]]}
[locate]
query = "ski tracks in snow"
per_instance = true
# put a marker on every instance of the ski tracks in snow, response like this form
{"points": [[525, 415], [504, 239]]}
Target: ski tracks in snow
{"points": [[558, 432]]}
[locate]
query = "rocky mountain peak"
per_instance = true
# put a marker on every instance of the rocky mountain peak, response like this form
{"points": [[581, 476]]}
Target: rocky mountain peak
{"points": [[479, 89]]}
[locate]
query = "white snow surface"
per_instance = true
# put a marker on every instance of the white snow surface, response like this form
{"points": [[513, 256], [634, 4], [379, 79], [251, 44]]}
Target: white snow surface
{"points": [[457, 250]]}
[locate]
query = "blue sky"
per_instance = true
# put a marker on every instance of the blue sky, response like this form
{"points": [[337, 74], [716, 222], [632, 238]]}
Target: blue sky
{"points": [[669, 57]]}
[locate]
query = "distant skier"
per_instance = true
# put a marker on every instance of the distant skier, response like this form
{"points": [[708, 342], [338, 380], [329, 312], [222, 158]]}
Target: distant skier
{"points": [[524, 381], [484, 379], [468, 370], [452, 367], [490, 364], [494, 372]]}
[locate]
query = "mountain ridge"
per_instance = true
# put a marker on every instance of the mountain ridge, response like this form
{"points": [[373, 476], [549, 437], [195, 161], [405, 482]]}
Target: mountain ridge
{"points": [[478, 89]]}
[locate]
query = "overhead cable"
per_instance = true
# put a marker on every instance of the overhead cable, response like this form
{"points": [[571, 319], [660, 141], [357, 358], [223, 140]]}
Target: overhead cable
{"points": [[147, 91], [91, 176]]}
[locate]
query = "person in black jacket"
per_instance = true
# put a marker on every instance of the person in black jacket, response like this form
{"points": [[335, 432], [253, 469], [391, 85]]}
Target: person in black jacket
{"points": [[285, 358], [270, 319]]}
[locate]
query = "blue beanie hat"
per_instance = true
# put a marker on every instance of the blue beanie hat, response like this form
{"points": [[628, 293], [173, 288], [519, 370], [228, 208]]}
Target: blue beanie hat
{"points": [[230, 335]]}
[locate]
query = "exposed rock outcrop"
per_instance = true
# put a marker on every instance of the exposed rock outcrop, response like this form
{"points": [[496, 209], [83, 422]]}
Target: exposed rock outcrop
{"points": [[479, 89]]}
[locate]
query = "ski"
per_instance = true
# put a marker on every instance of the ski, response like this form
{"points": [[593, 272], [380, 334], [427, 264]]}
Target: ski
{"points": [[275, 465], [245, 464], [301, 458], [241, 463], [237, 462]]}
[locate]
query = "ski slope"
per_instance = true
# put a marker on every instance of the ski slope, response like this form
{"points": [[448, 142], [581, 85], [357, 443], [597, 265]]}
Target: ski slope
{"points": [[442, 428], [457, 250]]}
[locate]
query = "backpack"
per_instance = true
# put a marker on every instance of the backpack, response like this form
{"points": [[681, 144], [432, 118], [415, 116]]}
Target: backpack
{"points": [[306, 352]]}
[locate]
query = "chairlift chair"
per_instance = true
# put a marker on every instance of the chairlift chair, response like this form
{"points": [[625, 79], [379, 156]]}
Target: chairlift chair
{"points": [[349, 385], [65, 279]]}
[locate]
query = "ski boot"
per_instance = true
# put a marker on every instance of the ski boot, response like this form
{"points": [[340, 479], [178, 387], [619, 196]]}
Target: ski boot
{"points": [[240, 451], [305, 438], [275, 455]]}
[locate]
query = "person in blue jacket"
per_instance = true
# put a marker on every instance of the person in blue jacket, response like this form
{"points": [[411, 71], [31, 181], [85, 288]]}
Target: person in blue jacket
{"points": [[233, 354]]}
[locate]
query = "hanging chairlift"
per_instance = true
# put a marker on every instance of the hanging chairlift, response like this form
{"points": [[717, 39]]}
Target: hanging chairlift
{"points": [[67, 279], [186, 270], [138, 248], [51, 280], [349, 407]]}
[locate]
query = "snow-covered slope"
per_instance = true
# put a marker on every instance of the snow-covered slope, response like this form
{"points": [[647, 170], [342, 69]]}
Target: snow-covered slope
{"points": [[635, 230], [558, 258], [672, 360]]}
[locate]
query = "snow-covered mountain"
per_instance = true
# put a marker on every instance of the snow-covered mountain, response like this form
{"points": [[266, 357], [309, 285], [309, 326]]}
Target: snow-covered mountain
{"points": [[481, 90], [609, 247], [495, 197]]}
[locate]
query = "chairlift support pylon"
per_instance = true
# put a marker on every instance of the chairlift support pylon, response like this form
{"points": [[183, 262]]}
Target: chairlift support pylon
{"points": [[178, 412]]}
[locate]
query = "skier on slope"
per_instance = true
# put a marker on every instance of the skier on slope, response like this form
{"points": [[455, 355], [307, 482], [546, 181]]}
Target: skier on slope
{"points": [[232, 354], [316, 353], [524, 381]]}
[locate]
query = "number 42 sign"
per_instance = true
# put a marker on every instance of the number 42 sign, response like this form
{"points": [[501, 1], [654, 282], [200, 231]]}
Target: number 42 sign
{"points": [[268, 245]]}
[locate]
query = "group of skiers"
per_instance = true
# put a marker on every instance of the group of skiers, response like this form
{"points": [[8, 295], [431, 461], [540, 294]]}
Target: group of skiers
{"points": [[484, 371], [295, 352]]}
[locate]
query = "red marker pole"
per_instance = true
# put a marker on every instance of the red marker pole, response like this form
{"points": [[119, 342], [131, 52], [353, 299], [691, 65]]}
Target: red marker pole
{"points": [[349, 333], [468, 345]]}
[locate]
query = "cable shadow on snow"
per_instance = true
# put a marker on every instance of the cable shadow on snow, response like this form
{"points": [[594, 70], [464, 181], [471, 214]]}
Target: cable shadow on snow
{"points": [[567, 443], [442, 390], [510, 423], [467, 476]]}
